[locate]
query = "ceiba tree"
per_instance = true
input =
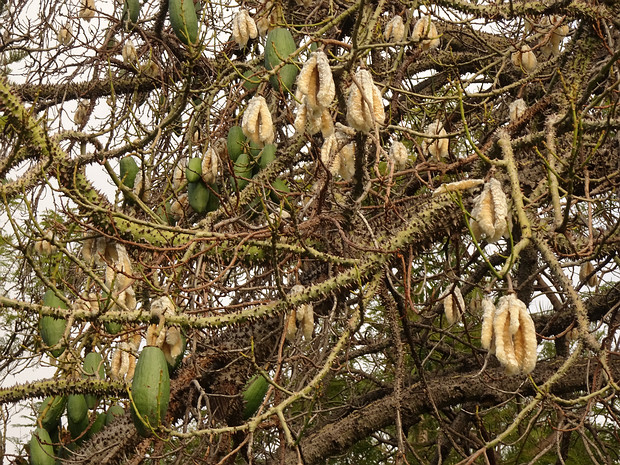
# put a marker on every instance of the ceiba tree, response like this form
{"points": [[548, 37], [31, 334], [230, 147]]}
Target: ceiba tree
{"points": [[364, 201]]}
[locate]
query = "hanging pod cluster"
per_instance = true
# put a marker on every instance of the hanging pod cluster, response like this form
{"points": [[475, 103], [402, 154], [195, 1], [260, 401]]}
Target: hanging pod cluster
{"points": [[436, 147], [509, 332], [302, 315], [257, 124], [118, 275], [81, 423], [44, 245], [558, 32], [395, 29], [338, 154], [490, 213], [123, 363], [315, 92], [243, 28], [364, 105], [453, 305], [170, 339], [249, 158], [118, 278], [425, 31], [398, 154], [552, 31]]}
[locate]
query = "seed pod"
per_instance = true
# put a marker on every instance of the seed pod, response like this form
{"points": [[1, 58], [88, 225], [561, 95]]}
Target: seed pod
{"points": [[81, 113], [163, 306], [327, 124], [65, 36], [119, 271], [504, 346], [364, 105], [490, 212], [269, 17], [115, 365], [425, 31], [88, 9], [329, 155], [301, 312], [517, 108], [209, 165], [173, 346], [453, 305], [586, 273], [179, 174], [347, 161], [515, 336], [301, 118], [184, 20], [179, 207], [257, 124], [279, 45], [398, 154], [315, 81], [395, 29], [243, 28], [130, 56], [44, 246], [436, 148], [307, 324], [291, 326], [458, 186], [557, 36], [525, 341], [150, 69], [486, 336], [525, 59]]}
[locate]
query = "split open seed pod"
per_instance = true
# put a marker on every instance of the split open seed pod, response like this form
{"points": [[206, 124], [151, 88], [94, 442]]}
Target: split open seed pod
{"points": [[257, 124], [364, 105], [395, 29], [516, 109], [525, 59], [347, 161], [514, 336], [290, 329], [210, 164], [488, 316], [425, 31], [398, 154], [243, 28], [453, 305], [316, 83], [129, 53], [329, 155], [436, 148], [490, 212]]}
